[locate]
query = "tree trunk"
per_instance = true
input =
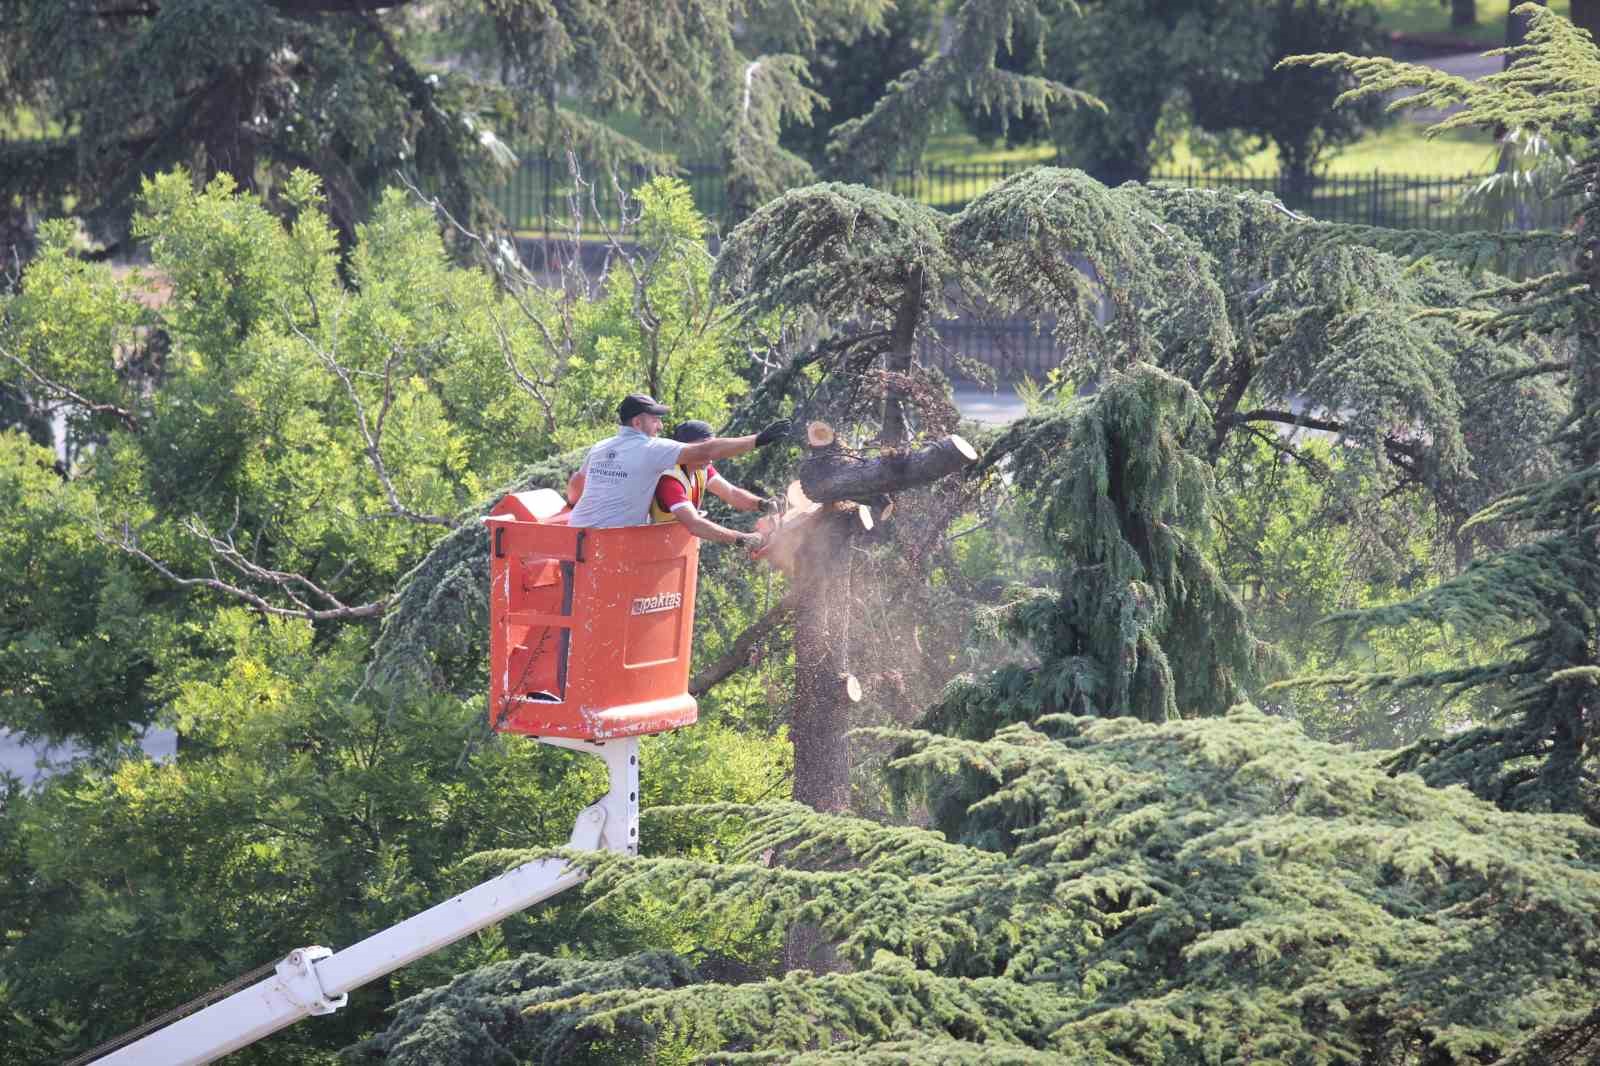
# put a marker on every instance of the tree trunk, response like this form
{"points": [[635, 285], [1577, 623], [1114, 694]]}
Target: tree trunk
{"points": [[1463, 13], [824, 689], [821, 710], [1295, 184], [821, 705], [898, 360]]}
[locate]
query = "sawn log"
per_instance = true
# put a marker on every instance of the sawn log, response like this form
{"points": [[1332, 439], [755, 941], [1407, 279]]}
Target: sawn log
{"points": [[832, 475]]}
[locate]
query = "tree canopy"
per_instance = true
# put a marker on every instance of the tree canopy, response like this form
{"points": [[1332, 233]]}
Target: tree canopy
{"points": [[1544, 583], [1179, 892], [1054, 827]]}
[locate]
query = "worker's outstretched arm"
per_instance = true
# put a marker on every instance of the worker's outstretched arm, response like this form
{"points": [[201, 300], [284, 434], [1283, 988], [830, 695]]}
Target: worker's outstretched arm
{"points": [[705, 529], [728, 447], [735, 497]]}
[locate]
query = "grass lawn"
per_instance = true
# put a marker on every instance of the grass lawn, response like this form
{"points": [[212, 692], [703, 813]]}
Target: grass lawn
{"points": [[1430, 16], [1400, 149]]}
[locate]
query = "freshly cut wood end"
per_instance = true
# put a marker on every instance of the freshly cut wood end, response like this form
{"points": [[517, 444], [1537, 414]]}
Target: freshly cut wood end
{"points": [[964, 448], [852, 687], [797, 498], [820, 434], [885, 511]]}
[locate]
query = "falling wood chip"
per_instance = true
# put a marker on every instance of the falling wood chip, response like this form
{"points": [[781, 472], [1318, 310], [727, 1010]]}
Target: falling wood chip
{"points": [[852, 687], [864, 513]]}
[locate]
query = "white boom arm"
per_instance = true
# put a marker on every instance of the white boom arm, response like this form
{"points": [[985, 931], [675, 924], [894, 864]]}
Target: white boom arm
{"points": [[317, 980]]}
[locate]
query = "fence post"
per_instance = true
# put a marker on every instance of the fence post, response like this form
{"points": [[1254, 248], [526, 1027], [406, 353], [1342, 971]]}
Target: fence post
{"points": [[544, 208]]}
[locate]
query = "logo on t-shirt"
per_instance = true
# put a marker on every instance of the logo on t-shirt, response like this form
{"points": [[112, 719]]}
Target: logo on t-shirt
{"points": [[661, 601]]}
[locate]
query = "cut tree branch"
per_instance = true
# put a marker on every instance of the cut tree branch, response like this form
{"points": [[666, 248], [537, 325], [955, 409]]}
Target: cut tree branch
{"points": [[833, 475]]}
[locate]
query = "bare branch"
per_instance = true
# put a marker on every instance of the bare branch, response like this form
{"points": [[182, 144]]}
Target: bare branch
{"points": [[515, 279], [126, 417], [530, 386], [737, 657], [372, 432], [128, 543]]}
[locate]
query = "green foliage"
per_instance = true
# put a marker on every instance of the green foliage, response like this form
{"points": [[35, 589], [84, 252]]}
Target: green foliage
{"points": [[1292, 108], [1536, 752], [1136, 620], [1278, 325], [300, 811], [69, 321], [1181, 892], [249, 89], [1139, 622], [896, 129], [251, 398], [1205, 69], [1297, 554], [656, 327], [257, 89], [75, 630], [852, 75], [831, 252]]}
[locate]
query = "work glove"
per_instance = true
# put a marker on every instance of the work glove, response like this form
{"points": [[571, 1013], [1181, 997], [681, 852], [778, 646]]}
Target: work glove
{"points": [[775, 432], [753, 542]]}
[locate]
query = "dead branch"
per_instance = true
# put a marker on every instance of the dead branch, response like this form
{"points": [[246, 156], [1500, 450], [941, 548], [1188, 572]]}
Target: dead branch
{"points": [[737, 657], [225, 549], [372, 430], [123, 415]]}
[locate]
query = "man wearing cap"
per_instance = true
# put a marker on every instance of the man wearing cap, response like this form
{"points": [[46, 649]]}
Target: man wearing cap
{"points": [[681, 490], [618, 478]]}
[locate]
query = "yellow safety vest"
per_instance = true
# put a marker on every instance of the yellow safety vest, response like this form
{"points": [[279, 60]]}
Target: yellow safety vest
{"points": [[694, 484]]}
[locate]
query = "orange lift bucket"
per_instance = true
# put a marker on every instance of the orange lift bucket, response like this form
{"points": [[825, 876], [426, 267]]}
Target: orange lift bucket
{"points": [[590, 630]]}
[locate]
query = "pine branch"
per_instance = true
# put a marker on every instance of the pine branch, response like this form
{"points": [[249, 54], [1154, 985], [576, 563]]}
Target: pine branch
{"points": [[897, 127]]}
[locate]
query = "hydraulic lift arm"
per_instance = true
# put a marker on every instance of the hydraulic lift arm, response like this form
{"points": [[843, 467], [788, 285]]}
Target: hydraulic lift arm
{"points": [[317, 980]]}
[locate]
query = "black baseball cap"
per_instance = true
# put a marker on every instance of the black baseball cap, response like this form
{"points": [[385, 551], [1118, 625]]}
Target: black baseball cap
{"points": [[691, 431], [637, 403]]}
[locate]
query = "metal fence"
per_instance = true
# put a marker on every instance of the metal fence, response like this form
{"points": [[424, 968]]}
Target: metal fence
{"points": [[1397, 201], [536, 201], [541, 196], [1011, 348], [536, 197]]}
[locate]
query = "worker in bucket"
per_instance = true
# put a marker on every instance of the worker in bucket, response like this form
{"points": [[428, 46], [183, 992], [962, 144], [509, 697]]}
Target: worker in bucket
{"points": [[618, 478], [681, 491]]}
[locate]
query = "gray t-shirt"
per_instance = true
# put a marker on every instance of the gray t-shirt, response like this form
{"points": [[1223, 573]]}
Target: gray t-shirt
{"points": [[620, 475]]}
